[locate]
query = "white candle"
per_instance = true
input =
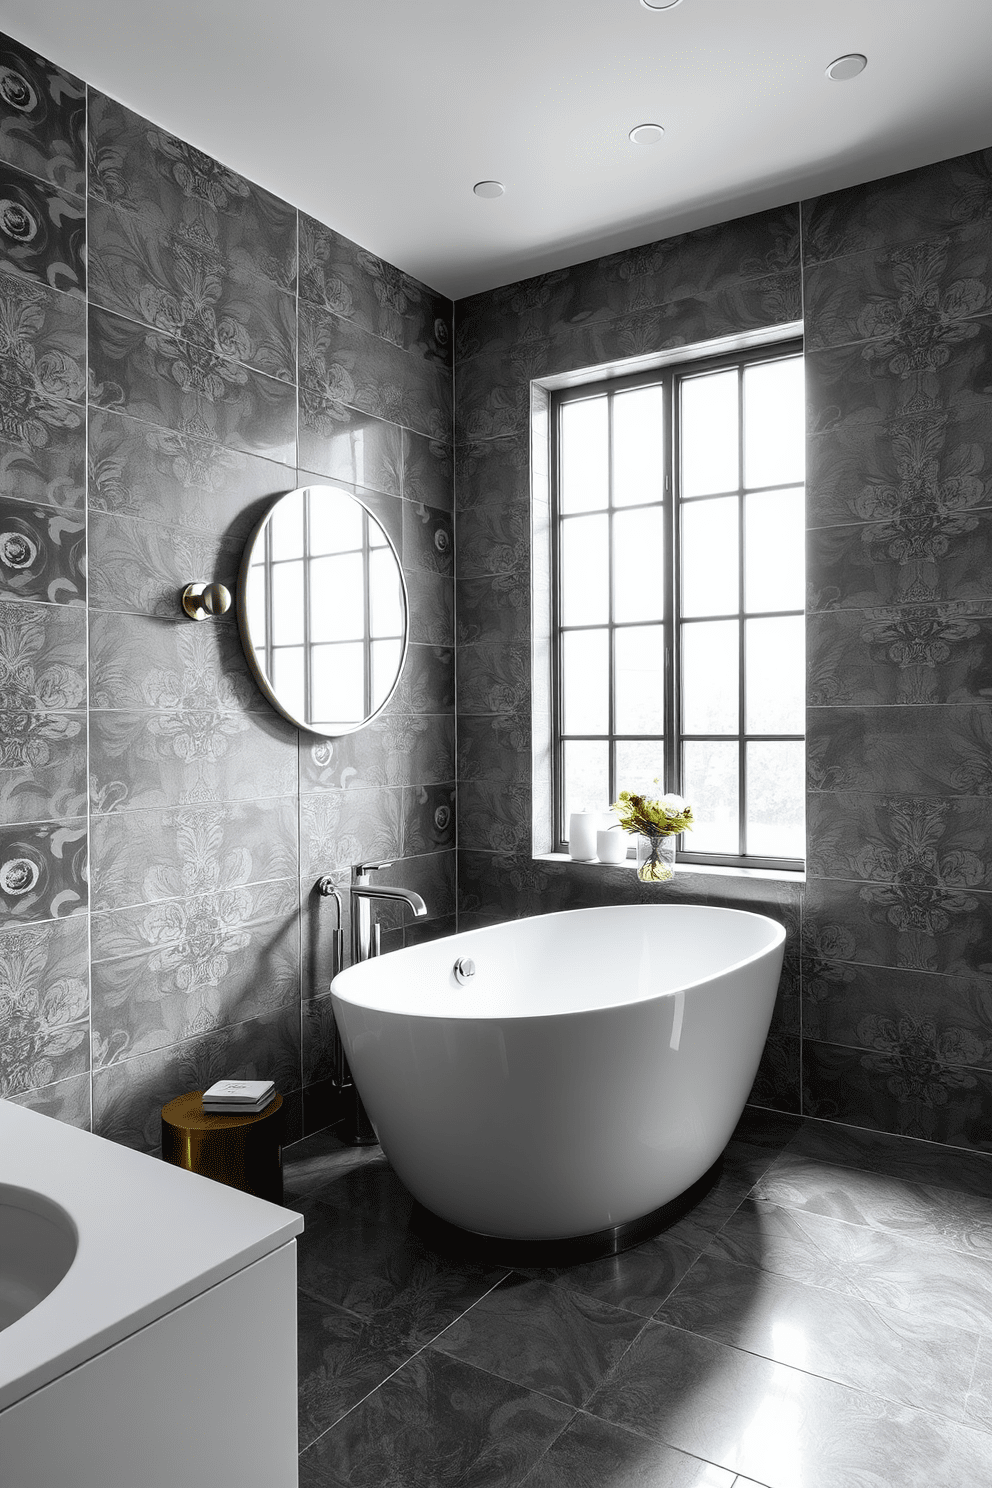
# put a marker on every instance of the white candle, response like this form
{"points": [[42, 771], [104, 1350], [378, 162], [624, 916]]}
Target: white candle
{"points": [[582, 826]]}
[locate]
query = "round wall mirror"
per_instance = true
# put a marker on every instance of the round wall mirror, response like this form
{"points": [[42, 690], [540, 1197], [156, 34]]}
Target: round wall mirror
{"points": [[322, 607]]}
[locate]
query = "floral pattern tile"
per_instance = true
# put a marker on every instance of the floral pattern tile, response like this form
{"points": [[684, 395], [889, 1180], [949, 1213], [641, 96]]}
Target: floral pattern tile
{"points": [[176, 757], [43, 870], [163, 973], [42, 232], [128, 1096], [179, 480], [166, 664], [42, 356], [342, 367], [137, 167], [912, 925], [183, 280], [900, 654], [392, 750], [147, 856], [347, 280], [42, 450], [67, 1100], [44, 1005], [42, 117], [900, 839], [154, 376], [145, 566]]}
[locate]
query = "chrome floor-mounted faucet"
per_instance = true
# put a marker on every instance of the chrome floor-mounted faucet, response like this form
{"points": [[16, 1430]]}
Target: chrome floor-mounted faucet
{"points": [[364, 932]]}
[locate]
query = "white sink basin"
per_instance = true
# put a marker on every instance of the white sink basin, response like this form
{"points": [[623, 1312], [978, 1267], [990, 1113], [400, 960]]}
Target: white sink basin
{"points": [[37, 1247]]}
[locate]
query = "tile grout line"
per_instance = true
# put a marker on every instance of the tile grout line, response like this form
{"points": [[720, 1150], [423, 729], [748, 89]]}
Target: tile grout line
{"points": [[86, 549]]}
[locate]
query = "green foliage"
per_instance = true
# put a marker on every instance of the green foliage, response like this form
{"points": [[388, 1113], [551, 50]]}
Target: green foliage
{"points": [[665, 817]]}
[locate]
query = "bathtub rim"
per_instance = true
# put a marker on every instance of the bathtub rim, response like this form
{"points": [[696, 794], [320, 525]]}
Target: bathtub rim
{"points": [[358, 972]]}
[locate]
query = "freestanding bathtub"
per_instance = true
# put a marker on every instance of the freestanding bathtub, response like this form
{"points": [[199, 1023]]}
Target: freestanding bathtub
{"points": [[589, 1072]]}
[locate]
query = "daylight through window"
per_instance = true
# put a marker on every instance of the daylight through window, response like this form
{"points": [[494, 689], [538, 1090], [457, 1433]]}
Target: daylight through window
{"points": [[679, 552]]}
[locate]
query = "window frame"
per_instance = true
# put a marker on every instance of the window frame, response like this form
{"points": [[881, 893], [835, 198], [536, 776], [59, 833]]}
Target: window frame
{"points": [[670, 376]]}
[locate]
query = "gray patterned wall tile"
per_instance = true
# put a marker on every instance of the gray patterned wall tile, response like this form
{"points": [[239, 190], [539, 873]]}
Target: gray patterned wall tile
{"points": [[340, 827], [68, 1100], [43, 870], [42, 448], [432, 607], [884, 839], [945, 1020], [912, 292], [142, 857], [44, 1004], [42, 657], [904, 750], [145, 566], [156, 377], [906, 1093], [42, 766], [925, 653], [165, 665], [42, 117], [339, 276], [427, 682], [428, 470], [172, 971], [179, 480], [494, 608], [347, 445], [494, 539], [42, 351], [42, 232], [495, 817], [128, 1096], [136, 166], [906, 925], [428, 819], [394, 749], [428, 538], [42, 554], [188, 285], [777, 1084], [913, 205], [491, 472], [494, 749], [188, 758], [493, 678], [342, 366], [930, 557], [432, 876]]}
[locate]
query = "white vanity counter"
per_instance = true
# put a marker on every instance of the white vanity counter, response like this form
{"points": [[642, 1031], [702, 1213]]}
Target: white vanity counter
{"points": [[150, 1237]]}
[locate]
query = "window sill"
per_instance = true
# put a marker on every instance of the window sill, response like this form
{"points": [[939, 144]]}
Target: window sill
{"points": [[683, 870]]}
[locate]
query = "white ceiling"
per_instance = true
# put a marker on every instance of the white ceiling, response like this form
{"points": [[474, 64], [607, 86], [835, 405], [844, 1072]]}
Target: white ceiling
{"points": [[378, 116]]}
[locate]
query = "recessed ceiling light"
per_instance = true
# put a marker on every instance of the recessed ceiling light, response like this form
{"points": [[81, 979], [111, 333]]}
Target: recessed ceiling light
{"points": [[847, 67], [488, 188], [660, 4], [646, 134]]}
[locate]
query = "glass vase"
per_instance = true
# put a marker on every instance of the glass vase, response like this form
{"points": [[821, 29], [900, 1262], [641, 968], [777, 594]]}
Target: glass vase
{"points": [[655, 858]]}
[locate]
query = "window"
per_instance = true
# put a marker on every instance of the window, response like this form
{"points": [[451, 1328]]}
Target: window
{"points": [[679, 562]]}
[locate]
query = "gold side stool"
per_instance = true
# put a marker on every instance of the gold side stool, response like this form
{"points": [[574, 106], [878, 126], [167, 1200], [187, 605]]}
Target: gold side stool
{"points": [[242, 1151]]}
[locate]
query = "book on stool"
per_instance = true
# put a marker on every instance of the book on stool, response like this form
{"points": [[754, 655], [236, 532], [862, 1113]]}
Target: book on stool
{"points": [[238, 1097]]}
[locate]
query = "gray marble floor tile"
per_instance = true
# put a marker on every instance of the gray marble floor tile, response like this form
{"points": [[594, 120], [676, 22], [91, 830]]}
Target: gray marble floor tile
{"points": [[637, 1280], [543, 1335], [357, 1180], [931, 1282], [385, 1275], [341, 1359], [593, 1454], [893, 1353], [919, 1211], [782, 1426], [877, 1152], [978, 1407], [437, 1423]]}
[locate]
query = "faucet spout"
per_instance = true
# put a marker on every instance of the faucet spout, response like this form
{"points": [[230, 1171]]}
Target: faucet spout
{"points": [[386, 891], [364, 934]]}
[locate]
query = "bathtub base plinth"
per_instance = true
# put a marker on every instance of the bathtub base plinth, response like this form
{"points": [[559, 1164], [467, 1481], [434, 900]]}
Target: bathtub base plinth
{"points": [[572, 1250]]}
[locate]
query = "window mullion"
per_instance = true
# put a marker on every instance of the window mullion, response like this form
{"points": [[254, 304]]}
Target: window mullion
{"points": [[611, 745], [672, 632]]}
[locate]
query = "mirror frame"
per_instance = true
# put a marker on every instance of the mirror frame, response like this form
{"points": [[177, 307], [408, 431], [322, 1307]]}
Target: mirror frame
{"points": [[265, 687]]}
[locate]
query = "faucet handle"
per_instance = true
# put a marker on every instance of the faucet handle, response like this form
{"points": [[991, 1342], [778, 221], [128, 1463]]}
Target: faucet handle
{"points": [[360, 870]]}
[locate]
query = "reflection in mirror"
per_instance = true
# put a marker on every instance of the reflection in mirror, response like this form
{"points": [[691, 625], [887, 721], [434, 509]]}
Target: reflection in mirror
{"points": [[323, 610]]}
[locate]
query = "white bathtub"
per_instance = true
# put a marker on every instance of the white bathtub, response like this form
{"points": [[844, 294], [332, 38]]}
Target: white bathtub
{"points": [[592, 1069]]}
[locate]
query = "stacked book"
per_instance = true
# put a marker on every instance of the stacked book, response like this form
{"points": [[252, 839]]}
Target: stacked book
{"points": [[238, 1097]]}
